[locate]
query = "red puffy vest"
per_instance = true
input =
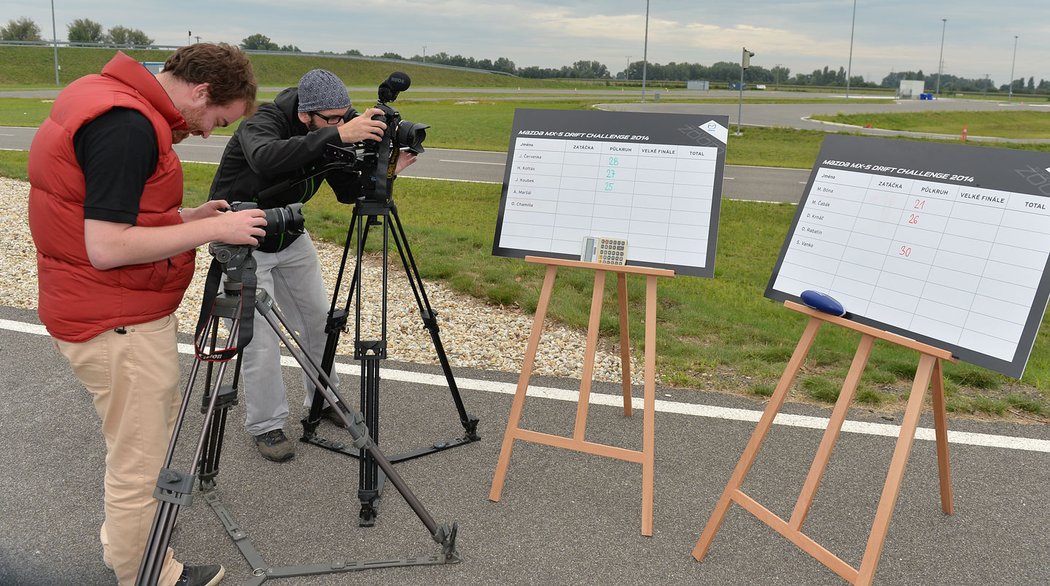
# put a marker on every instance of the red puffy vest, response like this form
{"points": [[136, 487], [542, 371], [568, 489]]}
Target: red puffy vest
{"points": [[76, 300]]}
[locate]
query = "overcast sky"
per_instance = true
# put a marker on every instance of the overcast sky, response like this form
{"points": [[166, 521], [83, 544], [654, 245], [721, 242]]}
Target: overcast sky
{"points": [[890, 35]]}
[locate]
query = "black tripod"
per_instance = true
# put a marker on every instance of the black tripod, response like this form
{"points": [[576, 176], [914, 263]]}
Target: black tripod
{"points": [[174, 488], [369, 212]]}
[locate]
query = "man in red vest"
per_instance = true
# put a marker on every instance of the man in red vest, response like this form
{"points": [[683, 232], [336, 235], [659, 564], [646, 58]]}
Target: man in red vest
{"points": [[115, 255]]}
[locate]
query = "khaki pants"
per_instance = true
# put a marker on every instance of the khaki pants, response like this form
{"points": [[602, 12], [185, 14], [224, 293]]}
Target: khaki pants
{"points": [[133, 379]]}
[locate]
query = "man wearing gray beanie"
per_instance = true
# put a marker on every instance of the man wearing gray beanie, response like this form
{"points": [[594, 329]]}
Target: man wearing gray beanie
{"points": [[283, 143]]}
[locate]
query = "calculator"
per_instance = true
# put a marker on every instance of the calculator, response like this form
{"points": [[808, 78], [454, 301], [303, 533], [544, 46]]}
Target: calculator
{"points": [[610, 251]]}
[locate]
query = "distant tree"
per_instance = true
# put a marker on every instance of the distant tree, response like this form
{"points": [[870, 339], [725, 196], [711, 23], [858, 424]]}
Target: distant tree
{"points": [[894, 79], [23, 29], [290, 48], [505, 65], [84, 30], [258, 42], [354, 53], [1031, 84], [121, 35], [780, 74], [534, 72], [389, 55], [586, 70]]}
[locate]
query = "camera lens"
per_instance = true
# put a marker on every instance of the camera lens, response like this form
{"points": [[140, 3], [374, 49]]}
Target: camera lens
{"points": [[411, 135], [285, 220]]}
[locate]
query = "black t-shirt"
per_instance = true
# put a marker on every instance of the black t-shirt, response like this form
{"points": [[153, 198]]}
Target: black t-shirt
{"points": [[118, 153]]}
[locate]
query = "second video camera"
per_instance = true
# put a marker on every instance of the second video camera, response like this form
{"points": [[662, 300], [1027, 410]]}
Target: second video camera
{"points": [[376, 161]]}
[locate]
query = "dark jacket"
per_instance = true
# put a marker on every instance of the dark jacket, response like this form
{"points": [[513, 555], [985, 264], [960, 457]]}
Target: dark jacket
{"points": [[274, 147]]}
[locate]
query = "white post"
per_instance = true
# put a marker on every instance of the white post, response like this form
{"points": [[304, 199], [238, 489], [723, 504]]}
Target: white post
{"points": [[54, 40], [940, 60], [1012, 63], [645, 49], [849, 64]]}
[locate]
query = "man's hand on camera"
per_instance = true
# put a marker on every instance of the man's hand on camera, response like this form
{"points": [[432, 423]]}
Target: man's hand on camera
{"points": [[403, 160], [363, 127], [241, 227], [205, 210]]}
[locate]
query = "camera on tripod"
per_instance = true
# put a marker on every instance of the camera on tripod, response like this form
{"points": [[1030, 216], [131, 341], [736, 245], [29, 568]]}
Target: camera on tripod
{"points": [[283, 220], [376, 161]]}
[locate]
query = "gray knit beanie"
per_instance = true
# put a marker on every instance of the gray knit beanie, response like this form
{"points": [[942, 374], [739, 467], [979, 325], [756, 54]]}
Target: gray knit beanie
{"points": [[321, 90]]}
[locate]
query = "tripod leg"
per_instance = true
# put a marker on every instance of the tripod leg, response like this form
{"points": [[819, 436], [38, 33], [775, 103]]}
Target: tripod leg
{"points": [[443, 534], [369, 486], [174, 488], [336, 325], [469, 422], [370, 352]]}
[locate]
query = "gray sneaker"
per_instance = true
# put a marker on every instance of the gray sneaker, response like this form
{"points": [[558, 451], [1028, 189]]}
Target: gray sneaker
{"points": [[275, 446]]}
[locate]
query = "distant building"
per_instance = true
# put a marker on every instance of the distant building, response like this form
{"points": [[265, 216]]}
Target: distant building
{"points": [[911, 89]]}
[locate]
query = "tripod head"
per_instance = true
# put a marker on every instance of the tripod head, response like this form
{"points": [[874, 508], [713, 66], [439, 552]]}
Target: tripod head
{"points": [[238, 304], [234, 260]]}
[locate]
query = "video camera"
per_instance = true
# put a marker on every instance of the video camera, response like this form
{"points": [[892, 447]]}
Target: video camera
{"points": [[376, 161]]}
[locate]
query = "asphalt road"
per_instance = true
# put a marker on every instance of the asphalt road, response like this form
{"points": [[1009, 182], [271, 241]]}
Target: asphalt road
{"points": [[564, 518], [754, 183]]}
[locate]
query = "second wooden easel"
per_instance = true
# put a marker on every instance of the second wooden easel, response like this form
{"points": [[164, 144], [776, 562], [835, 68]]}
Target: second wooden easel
{"points": [[928, 371]]}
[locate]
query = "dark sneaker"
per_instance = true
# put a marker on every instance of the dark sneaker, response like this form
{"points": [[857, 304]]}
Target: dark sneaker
{"points": [[275, 446], [330, 414], [201, 576]]}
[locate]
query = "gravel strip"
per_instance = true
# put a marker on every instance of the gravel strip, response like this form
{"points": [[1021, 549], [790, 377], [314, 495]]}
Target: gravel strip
{"points": [[474, 334]]}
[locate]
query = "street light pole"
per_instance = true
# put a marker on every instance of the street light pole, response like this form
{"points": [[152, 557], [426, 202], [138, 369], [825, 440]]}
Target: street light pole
{"points": [[849, 64], [627, 72], [54, 38], [1012, 63], [745, 62], [645, 49], [940, 60]]}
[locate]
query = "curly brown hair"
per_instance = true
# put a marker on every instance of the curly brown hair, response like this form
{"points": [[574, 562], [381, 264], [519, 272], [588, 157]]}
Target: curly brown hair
{"points": [[225, 68]]}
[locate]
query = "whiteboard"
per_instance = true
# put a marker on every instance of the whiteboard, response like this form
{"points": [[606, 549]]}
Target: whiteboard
{"points": [[654, 180], [945, 244]]}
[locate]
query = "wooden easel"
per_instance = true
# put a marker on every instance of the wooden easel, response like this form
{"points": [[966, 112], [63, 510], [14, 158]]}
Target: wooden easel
{"points": [[929, 370], [577, 442]]}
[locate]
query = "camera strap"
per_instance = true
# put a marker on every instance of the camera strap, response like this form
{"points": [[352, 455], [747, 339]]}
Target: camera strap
{"points": [[246, 311]]}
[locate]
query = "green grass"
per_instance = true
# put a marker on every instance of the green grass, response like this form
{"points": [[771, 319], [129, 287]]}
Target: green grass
{"points": [[13, 164], [1000, 124], [31, 66], [716, 333]]}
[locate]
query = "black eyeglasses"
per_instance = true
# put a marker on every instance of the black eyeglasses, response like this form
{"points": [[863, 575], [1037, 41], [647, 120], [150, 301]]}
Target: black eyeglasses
{"points": [[331, 120]]}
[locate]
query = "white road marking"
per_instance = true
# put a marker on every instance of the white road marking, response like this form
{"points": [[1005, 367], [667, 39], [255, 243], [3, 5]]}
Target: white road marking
{"points": [[468, 162], [696, 410]]}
